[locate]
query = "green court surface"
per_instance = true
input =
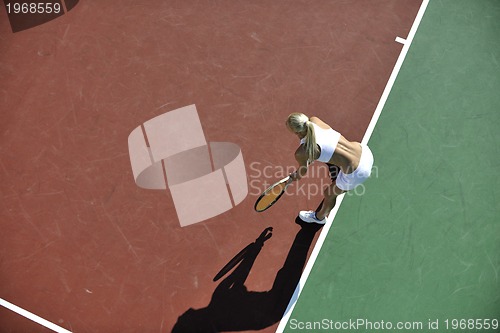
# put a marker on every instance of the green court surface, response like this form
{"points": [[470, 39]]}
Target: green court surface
{"points": [[423, 243]]}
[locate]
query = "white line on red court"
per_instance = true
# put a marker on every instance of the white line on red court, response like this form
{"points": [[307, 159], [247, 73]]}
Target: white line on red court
{"points": [[33, 317]]}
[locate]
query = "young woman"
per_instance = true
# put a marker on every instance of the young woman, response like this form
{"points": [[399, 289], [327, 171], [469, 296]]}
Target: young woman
{"points": [[318, 141]]}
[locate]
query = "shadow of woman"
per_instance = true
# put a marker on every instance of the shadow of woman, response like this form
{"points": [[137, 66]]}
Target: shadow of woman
{"points": [[233, 307]]}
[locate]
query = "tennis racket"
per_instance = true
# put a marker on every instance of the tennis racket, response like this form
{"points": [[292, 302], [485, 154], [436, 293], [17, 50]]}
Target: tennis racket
{"points": [[272, 194]]}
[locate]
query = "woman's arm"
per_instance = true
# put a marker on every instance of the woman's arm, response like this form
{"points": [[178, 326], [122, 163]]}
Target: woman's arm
{"points": [[301, 157]]}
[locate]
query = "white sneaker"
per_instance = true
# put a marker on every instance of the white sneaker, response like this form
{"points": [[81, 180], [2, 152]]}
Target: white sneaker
{"points": [[309, 216]]}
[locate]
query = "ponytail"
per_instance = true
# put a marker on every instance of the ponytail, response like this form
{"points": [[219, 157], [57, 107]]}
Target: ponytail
{"points": [[311, 148], [299, 123]]}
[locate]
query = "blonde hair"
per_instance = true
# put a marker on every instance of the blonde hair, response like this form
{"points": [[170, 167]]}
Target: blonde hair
{"points": [[299, 123]]}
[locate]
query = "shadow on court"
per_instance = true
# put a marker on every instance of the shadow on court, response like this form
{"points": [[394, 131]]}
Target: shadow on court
{"points": [[233, 307]]}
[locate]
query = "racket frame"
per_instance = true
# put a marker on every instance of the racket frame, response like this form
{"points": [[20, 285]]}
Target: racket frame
{"points": [[287, 180]]}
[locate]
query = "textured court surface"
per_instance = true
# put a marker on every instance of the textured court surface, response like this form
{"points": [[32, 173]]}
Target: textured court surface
{"points": [[423, 243], [80, 244]]}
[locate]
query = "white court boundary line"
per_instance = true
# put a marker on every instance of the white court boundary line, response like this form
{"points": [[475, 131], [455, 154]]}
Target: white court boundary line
{"points": [[401, 40], [321, 239], [32, 317]]}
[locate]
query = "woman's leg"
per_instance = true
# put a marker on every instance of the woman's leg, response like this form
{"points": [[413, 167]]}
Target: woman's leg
{"points": [[331, 193]]}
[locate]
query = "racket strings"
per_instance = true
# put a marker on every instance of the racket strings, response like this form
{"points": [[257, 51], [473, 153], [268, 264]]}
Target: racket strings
{"points": [[270, 196]]}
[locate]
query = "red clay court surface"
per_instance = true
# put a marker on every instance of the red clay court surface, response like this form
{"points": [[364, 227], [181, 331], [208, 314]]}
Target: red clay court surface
{"points": [[81, 245]]}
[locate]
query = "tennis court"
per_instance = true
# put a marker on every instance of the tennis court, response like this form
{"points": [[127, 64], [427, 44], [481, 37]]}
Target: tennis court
{"points": [[88, 250]]}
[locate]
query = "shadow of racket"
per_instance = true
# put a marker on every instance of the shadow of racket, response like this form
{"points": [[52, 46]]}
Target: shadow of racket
{"points": [[265, 235]]}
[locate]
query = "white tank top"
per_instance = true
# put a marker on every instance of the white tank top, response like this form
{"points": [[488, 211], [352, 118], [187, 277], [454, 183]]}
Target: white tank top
{"points": [[327, 140]]}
